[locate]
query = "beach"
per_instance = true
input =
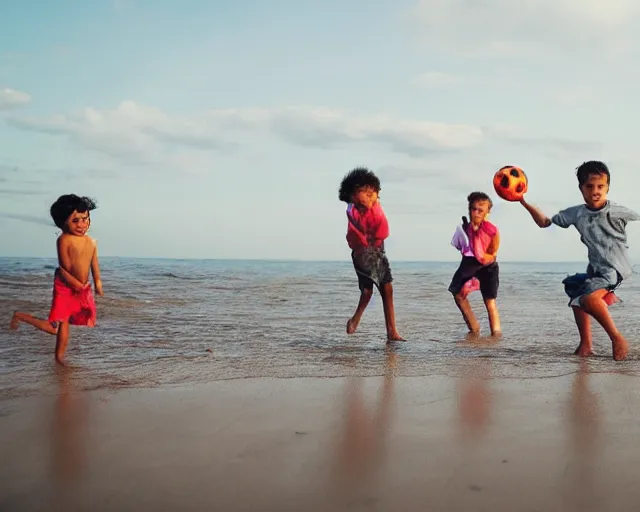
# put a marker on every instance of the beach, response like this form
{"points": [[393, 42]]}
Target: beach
{"points": [[212, 385], [377, 443]]}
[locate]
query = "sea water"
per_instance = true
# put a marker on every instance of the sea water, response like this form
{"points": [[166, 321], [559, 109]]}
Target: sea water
{"points": [[165, 322]]}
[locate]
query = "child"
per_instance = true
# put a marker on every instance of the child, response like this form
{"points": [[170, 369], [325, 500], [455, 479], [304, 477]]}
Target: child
{"points": [[478, 241], [601, 225], [367, 229], [73, 301]]}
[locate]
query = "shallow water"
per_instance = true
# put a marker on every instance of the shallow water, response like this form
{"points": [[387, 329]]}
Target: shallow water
{"points": [[187, 321]]}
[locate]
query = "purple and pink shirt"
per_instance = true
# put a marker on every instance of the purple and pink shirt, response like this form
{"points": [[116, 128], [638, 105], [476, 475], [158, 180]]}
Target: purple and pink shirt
{"points": [[474, 242]]}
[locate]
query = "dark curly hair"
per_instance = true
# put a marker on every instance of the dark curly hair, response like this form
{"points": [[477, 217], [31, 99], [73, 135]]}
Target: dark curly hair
{"points": [[355, 179], [592, 167], [479, 196], [67, 204]]}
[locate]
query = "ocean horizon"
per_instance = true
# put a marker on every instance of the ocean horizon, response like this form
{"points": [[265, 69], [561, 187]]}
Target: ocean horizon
{"points": [[281, 260]]}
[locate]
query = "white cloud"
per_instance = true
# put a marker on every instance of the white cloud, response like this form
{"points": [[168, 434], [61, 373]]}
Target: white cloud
{"points": [[569, 96], [528, 26], [555, 92], [329, 128], [142, 133], [10, 98], [436, 79], [138, 135]]}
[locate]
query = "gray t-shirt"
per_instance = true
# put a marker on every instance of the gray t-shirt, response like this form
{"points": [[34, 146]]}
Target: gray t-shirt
{"points": [[603, 232]]}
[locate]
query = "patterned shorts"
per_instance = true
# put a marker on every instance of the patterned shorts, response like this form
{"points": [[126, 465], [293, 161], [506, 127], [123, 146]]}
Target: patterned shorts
{"points": [[372, 267]]}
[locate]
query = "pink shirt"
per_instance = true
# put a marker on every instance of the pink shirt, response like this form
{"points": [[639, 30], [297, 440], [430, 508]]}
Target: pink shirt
{"points": [[480, 239], [472, 242], [369, 228]]}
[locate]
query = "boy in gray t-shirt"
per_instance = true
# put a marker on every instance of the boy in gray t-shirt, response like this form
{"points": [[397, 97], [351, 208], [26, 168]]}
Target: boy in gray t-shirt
{"points": [[601, 225]]}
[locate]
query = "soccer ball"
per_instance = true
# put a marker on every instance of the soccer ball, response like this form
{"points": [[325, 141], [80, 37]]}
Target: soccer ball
{"points": [[510, 183]]}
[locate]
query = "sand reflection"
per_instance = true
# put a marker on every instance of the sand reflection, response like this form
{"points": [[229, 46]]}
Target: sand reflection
{"points": [[68, 436], [361, 445], [584, 420], [474, 392]]}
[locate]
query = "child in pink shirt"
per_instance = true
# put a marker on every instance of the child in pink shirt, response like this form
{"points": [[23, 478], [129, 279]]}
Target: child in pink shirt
{"points": [[478, 242], [367, 230]]}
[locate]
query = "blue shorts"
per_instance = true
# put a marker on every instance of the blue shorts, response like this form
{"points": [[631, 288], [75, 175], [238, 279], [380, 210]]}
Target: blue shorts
{"points": [[577, 286]]}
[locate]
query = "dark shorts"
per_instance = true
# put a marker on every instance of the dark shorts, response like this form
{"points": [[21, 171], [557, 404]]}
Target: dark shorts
{"points": [[372, 267], [577, 286], [488, 275]]}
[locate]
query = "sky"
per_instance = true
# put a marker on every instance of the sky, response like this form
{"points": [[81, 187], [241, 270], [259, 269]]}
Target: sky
{"points": [[209, 129]]}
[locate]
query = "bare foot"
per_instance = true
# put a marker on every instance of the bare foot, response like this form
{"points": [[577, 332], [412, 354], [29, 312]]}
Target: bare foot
{"points": [[394, 336], [497, 334], [471, 337], [584, 350], [620, 348], [352, 325], [61, 361], [14, 322]]}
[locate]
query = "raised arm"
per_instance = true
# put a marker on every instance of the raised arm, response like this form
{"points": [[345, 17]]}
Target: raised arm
{"points": [[536, 214], [95, 271]]}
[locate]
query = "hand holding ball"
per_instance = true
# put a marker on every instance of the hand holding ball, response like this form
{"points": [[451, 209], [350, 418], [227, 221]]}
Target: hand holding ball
{"points": [[510, 183]]}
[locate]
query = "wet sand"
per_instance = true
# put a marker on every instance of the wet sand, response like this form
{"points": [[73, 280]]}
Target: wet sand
{"points": [[387, 443]]}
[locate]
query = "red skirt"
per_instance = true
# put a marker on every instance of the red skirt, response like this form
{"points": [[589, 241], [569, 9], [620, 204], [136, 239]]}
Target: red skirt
{"points": [[78, 307]]}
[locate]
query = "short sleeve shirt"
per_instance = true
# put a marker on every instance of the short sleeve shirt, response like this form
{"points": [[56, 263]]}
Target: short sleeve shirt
{"points": [[604, 233]]}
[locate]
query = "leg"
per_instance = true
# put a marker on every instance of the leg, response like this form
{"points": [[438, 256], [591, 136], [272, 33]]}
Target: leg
{"points": [[43, 325], [494, 317], [595, 305], [61, 341], [467, 270], [386, 290], [489, 277], [585, 348], [467, 313], [365, 297]]}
